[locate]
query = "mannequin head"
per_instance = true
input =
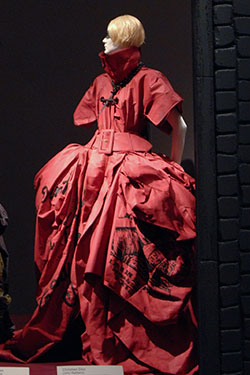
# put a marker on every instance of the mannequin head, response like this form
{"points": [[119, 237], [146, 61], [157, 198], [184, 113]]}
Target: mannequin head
{"points": [[124, 31], [109, 46]]}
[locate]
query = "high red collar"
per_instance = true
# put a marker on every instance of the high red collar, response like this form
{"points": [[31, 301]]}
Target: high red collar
{"points": [[120, 63]]}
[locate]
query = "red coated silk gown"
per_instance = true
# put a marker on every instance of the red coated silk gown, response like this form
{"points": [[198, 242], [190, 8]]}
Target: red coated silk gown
{"points": [[114, 235]]}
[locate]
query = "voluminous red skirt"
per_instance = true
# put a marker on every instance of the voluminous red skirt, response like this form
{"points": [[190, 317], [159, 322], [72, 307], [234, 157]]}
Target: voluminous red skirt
{"points": [[114, 247]]}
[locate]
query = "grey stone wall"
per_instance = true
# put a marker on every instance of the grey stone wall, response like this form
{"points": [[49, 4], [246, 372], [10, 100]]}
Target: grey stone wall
{"points": [[232, 98], [226, 75]]}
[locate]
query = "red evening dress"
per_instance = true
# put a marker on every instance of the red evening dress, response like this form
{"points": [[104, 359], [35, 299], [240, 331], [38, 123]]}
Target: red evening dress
{"points": [[114, 235]]}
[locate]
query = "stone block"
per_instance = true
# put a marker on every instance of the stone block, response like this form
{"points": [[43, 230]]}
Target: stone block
{"points": [[244, 172], [229, 295], [226, 123], [231, 362], [225, 57], [228, 229], [244, 68], [223, 14], [243, 46], [223, 35], [245, 303], [245, 262], [245, 195], [241, 7], [245, 239], [244, 111], [230, 317], [228, 184], [227, 163], [225, 101], [246, 329], [227, 144], [245, 217], [229, 251], [245, 284], [246, 367], [242, 25], [244, 154], [230, 340], [244, 90], [228, 207], [247, 349], [229, 273], [225, 79], [244, 134]]}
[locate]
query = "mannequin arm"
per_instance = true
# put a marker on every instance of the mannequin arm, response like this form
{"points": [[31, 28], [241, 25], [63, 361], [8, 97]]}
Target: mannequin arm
{"points": [[179, 129]]}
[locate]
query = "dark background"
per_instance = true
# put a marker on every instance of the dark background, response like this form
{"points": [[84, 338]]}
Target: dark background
{"points": [[48, 59]]}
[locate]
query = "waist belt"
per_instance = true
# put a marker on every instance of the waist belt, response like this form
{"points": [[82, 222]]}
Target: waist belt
{"points": [[107, 141]]}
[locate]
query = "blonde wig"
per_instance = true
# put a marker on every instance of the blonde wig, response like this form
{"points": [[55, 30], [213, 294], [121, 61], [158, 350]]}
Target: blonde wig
{"points": [[126, 31]]}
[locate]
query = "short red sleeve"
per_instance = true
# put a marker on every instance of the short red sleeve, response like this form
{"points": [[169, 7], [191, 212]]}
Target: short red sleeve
{"points": [[159, 98], [85, 113]]}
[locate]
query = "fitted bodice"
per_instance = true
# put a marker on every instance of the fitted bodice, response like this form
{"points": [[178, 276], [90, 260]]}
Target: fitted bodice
{"points": [[147, 96]]}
